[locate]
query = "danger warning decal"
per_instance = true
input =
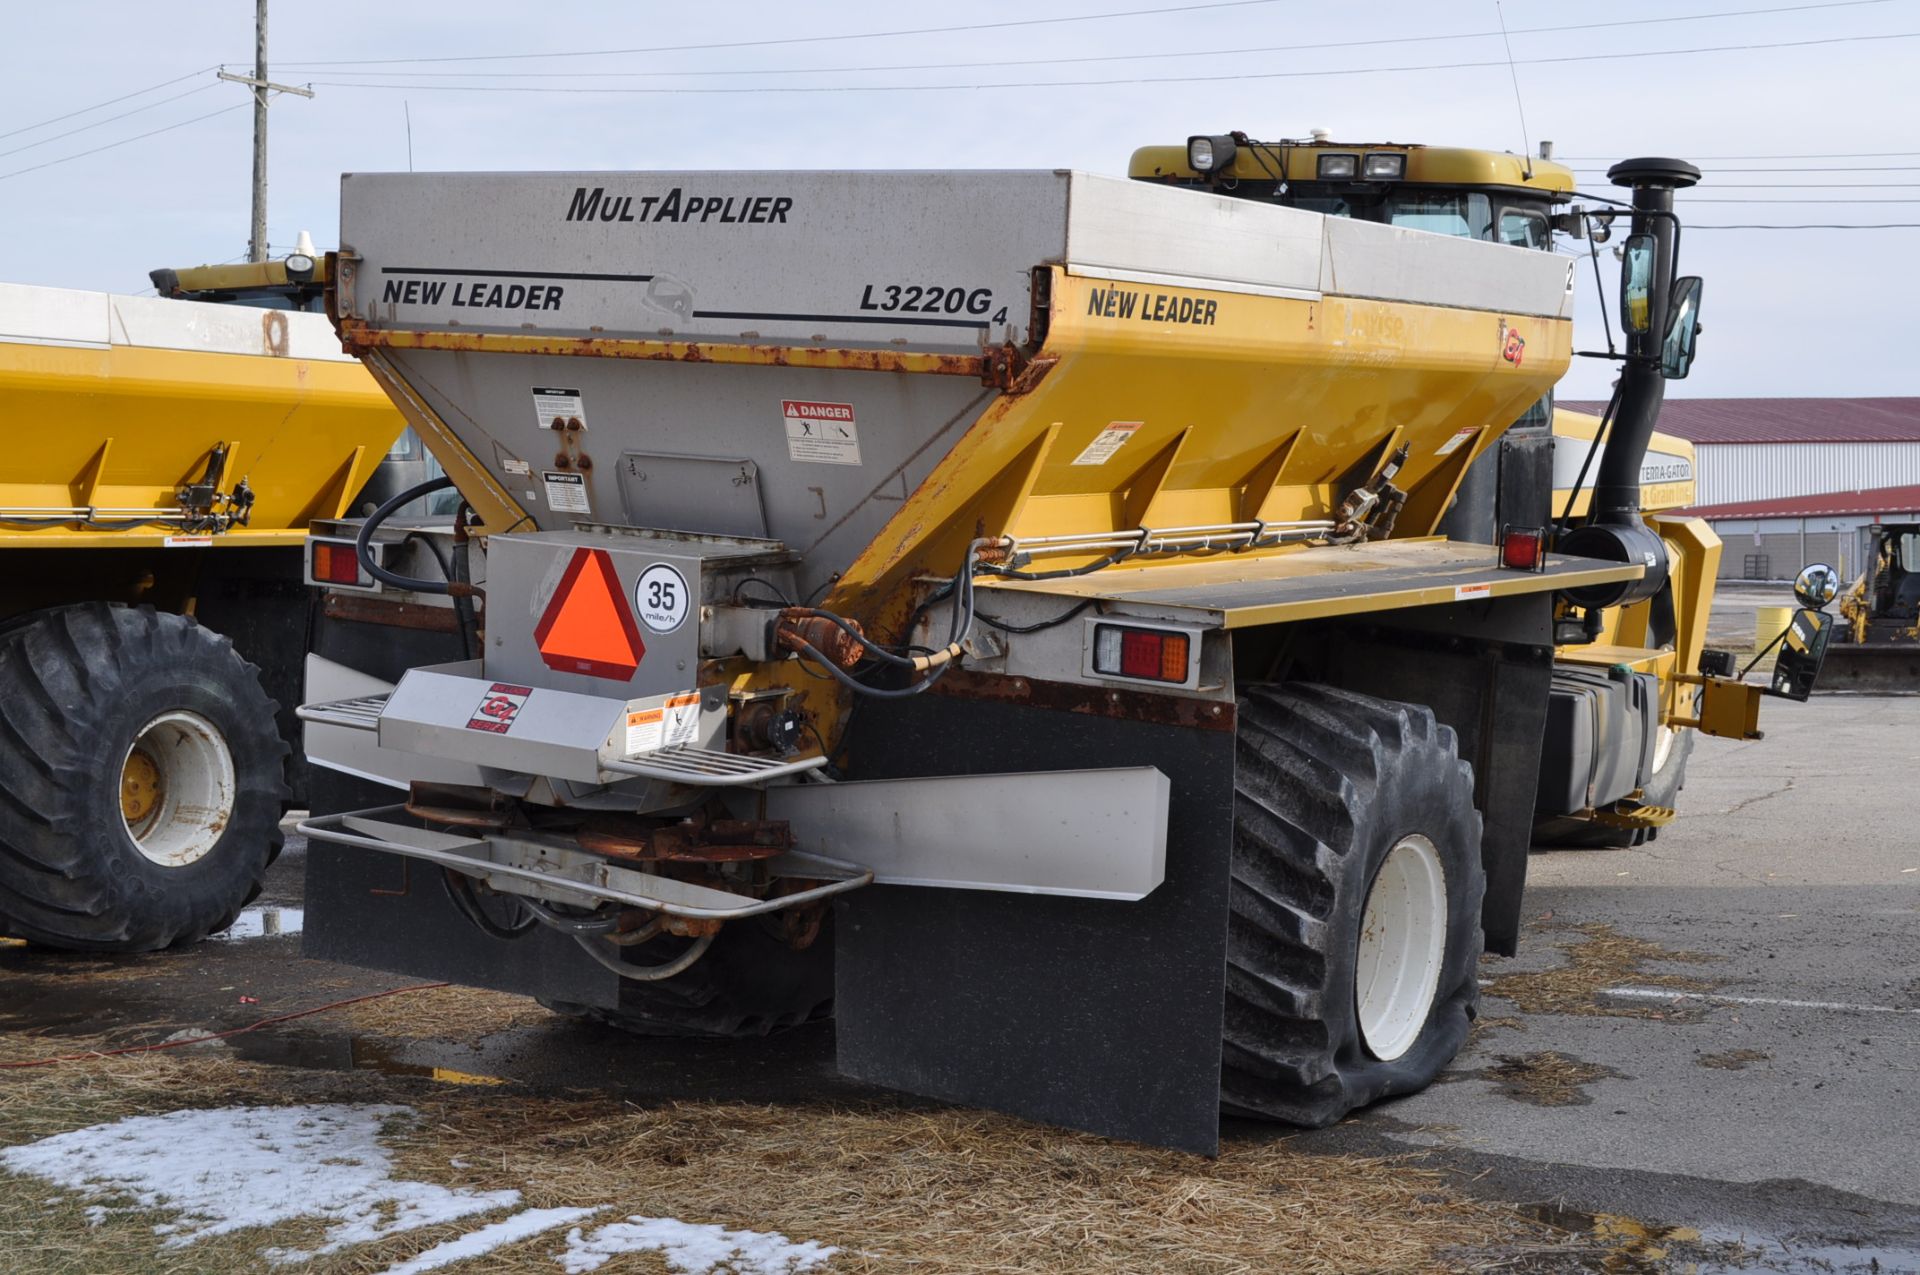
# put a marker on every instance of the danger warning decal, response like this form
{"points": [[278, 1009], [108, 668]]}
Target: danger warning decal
{"points": [[673, 724], [820, 433], [499, 707]]}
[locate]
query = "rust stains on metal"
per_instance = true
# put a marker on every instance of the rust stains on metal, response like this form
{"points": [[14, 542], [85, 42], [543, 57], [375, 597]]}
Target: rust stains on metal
{"points": [[398, 615], [1091, 701], [358, 337], [699, 838], [798, 625], [273, 330], [459, 805]]}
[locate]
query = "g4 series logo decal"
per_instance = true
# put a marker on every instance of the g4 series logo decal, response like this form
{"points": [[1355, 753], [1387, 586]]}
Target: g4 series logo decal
{"points": [[1513, 346]]}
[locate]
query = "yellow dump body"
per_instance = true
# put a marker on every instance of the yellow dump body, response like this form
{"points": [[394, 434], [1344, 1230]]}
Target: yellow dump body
{"points": [[114, 403]]}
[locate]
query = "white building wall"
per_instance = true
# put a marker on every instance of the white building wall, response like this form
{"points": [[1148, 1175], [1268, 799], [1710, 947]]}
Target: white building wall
{"points": [[1760, 471]]}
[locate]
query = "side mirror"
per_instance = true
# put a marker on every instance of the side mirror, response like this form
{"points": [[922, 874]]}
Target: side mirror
{"points": [[1816, 585], [1801, 651], [1636, 283], [1683, 328]]}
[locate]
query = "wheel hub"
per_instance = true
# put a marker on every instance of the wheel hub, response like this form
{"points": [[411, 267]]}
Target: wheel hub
{"points": [[139, 790], [177, 788], [1403, 936]]}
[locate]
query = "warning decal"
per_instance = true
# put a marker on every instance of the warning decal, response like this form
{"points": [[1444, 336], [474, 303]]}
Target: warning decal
{"points": [[559, 408], [567, 493], [1454, 443], [587, 626], [820, 433], [1471, 592], [1106, 443], [499, 707], [673, 724]]}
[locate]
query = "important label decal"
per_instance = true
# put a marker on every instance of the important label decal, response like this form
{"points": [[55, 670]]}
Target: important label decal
{"points": [[566, 493], [1460, 439], [660, 598], [559, 408], [820, 433], [675, 723], [188, 542], [1107, 442], [1471, 592], [498, 708]]}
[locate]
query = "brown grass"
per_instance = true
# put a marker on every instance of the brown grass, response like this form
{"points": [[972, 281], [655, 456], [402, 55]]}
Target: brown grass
{"points": [[1733, 1059], [934, 1191], [440, 1013], [1601, 958], [1547, 1078]]}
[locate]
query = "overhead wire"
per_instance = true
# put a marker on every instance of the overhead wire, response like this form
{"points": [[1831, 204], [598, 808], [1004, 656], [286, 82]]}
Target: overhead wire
{"points": [[150, 106], [1214, 52], [1189, 79], [64, 159], [112, 101], [957, 29]]}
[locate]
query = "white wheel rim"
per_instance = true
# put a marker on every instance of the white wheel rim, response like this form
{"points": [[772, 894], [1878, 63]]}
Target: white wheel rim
{"points": [[1662, 749], [193, 799], [1403, 936]]}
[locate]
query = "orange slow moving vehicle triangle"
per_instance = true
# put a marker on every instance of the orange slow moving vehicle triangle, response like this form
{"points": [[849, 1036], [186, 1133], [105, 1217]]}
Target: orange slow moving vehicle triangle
{"points": [[587, 626]]}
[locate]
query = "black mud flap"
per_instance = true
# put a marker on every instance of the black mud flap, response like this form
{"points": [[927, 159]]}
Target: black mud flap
{"points": [[382, 911], [1090, 1013]]}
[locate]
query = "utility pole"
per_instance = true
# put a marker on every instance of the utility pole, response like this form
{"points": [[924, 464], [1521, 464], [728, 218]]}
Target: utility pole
{"points": [[261, 85]]}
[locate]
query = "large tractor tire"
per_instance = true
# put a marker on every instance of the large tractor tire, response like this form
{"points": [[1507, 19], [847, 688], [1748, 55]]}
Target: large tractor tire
{"points": [[142, 780], [1663, 789], [751, 982], [1354, 930]]}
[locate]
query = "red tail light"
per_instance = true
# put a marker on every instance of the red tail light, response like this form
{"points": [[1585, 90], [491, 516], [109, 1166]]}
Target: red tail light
{"points": [[1143, 654], [336, 562], [1523, 548]]}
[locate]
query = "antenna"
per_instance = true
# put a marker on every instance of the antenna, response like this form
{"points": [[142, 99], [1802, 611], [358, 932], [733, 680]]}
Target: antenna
{"points": [[408, 106], [1526, 147]]}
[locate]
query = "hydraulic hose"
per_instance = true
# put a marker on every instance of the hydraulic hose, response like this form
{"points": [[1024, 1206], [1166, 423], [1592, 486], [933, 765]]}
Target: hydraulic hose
{"points": [[363, 546]]}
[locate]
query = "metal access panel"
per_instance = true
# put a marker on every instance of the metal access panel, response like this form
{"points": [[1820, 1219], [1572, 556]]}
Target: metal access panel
{"points": [[637, 629]]}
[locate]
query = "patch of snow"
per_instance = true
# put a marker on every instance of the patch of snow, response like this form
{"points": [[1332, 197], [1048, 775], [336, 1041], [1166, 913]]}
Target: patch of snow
{"points": [[230, 1168], [494, 1235], [692, 1248]]}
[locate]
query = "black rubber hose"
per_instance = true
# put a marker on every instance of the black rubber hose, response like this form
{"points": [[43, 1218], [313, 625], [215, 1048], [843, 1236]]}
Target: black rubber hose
{"points": [[363, 546], [460, 891]]}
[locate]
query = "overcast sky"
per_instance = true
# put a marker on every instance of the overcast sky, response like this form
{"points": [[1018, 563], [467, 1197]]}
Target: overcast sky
{"points": [[1786, 312]]}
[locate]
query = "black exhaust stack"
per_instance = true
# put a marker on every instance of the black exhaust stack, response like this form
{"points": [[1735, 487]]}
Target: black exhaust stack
{"points": [[1614, 531]]}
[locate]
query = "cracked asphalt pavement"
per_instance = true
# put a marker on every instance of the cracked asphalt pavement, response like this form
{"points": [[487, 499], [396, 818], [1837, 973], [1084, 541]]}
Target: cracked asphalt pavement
{"points": [[1772, 1099]]}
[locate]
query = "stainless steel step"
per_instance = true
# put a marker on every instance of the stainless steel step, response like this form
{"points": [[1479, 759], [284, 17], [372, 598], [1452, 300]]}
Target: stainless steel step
{"points": [[360, 713]]}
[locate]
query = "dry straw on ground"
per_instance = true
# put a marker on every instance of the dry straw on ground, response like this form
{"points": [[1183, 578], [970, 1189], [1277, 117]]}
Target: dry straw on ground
{"points": [[897, 1190], [1602, 958]]}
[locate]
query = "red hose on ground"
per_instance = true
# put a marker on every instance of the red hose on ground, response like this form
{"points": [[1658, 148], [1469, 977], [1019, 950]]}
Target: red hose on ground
{"points": [[232, 1031]]}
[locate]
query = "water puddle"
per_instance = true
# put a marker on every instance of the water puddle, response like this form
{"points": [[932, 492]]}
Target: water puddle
{"points": [[264, 923], [1621, 1245]]}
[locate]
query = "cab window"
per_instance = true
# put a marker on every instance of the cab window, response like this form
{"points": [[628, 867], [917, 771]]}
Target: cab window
{"points": [[1464, 214], [1523, 227]]}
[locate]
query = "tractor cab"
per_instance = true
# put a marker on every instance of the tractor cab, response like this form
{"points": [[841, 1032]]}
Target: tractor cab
{"points": [[1472, 194]]}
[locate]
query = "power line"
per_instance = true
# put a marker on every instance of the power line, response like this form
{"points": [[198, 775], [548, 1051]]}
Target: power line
{"points": [[798, 39], [1875, 225], [1073, 61], [1595, 159], [124, 141], [1131, 80], [151, 88], [1690, 200], [109, 119], [1887, 168]]}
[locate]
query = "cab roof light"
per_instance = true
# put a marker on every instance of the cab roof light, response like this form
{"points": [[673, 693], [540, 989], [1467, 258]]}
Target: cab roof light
{"points": [[1208, 153], [1337, 167], [1384, 166]]}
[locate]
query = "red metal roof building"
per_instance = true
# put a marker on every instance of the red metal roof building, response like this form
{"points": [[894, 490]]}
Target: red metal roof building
{"points": [[1787, 481]]}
